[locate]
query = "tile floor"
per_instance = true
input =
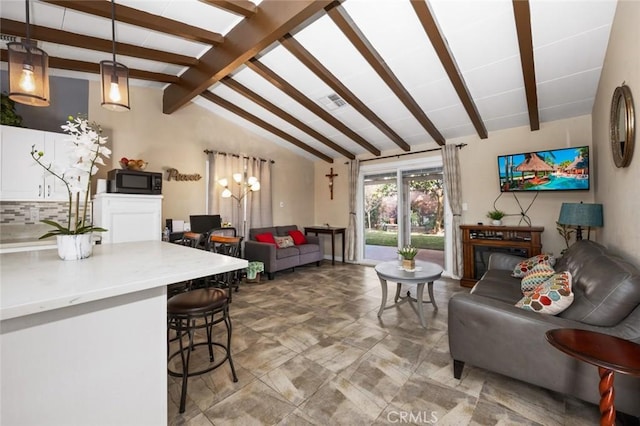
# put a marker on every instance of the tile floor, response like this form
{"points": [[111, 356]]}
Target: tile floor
{"points": [[309, 350]]}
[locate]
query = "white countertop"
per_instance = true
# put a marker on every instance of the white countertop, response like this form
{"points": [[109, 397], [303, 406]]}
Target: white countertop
{"points": [[10, 246], [38, 281]]}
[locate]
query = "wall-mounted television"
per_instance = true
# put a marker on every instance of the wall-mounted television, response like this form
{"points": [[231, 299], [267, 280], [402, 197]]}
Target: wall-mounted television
{"points": [[565, 169]]}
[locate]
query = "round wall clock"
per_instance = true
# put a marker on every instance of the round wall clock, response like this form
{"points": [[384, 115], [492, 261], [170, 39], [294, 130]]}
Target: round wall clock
{"points": [[622, 126]]}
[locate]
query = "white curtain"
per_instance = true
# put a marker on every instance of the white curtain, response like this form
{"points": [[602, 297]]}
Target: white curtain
{"points": [[451, 171], [258, 204], [351, 241]]}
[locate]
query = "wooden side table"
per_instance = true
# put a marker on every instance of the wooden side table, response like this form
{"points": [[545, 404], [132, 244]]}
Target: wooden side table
{"points": [[330, 231], [609, 353]]}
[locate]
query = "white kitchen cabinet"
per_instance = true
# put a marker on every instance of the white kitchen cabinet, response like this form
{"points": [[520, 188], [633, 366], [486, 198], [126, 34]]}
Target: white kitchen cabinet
{"points": [[128, 217], [21, 178]]}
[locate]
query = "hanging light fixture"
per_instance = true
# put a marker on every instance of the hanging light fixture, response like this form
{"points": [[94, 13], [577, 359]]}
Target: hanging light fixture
{"points": [[114, 76], [28, 71]]}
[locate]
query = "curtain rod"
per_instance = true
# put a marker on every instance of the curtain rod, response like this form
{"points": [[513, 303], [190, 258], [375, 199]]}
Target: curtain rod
{"points": [[208, 151], [460, 145]]}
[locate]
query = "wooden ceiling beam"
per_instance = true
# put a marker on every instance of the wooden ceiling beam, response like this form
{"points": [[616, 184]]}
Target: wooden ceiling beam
{"points": [[94, 68], [239, 7], [254, 97], [448, 62], [142, 19], [522, 16], [349, 28], [243, 42], [332, 81], [279, 82], [261, 123], [66, 38]]}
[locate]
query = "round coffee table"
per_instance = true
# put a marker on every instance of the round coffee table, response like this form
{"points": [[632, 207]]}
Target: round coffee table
{"points": [[425, 273], [608, 353]]}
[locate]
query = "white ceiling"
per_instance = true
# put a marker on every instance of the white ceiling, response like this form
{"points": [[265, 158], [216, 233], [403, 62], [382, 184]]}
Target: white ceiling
{"points": [[569, 40]]}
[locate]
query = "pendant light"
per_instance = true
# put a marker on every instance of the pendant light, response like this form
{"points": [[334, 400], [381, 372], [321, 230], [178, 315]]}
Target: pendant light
{"points": [[114, 76], [28, 71]]}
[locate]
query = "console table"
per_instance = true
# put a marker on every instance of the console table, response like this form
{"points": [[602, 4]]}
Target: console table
{"points": [[479, 241], [330, 231]]}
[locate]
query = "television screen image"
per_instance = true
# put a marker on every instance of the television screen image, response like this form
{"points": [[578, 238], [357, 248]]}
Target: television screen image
{"points": [[565, 169]]}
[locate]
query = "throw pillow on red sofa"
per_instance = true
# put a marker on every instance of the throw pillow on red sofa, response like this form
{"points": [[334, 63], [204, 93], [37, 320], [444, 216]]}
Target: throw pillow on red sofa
{"points": [[267, 237], [298, 237]]}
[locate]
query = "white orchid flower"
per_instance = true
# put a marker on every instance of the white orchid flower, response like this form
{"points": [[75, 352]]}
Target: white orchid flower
{"points": [[77, 170]]}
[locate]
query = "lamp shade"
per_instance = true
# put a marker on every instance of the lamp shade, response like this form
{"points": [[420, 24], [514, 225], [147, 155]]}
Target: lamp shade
{"points": [[581, 214], [115, 86], [28, 74]]}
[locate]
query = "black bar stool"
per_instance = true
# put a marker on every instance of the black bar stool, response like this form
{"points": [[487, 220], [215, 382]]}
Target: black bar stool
{"points": [[183, 312]]}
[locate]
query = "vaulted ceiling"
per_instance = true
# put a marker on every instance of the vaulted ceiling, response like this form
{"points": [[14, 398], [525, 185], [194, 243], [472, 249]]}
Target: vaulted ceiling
{"points": [[332, 79]]}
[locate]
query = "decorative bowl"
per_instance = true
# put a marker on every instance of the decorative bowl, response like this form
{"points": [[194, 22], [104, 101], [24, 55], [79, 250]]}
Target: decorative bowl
{"points": [[138, 165]]}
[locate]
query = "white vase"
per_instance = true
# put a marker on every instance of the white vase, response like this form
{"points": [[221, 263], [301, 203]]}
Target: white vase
{"points": [[74, 247], [496, 222]]}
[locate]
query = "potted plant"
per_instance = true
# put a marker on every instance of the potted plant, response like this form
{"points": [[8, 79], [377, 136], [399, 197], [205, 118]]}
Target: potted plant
{"points": [[496, 217], [565, 232], [8, 114], [74, 239], [408, 254]]}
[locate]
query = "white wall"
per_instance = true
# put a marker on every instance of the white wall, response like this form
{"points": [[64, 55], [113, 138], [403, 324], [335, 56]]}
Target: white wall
{"points": [[618, 189]]}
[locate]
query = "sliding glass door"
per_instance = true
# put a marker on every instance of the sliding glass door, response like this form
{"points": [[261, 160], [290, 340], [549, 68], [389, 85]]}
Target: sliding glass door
{"points": [[423, 213], [402, 204], [380, 214]]}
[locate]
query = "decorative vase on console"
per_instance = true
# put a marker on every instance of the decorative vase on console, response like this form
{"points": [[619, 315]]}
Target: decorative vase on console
{"points": [[74, 240], [408, 254], [496, 217]]}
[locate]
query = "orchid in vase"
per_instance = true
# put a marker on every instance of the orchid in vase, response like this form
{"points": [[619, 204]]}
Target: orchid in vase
{"points": [[88, 152]]}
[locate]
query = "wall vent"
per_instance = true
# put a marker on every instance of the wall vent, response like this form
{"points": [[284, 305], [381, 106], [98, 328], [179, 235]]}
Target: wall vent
{"points": [[332, 102]]}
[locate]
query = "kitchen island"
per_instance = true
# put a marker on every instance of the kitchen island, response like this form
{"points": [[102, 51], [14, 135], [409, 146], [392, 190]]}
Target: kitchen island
{"points": [[84, 342]]}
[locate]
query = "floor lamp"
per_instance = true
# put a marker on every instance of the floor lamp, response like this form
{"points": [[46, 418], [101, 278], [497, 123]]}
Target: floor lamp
{"points": [[247, 186]]}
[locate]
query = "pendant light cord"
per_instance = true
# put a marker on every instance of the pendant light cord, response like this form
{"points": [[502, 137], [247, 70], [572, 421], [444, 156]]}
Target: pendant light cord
{"points": [[113, 31], [26, 2]]}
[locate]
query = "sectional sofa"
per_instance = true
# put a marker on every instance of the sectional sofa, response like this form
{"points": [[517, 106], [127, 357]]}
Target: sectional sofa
{"points": [[487, 331]]}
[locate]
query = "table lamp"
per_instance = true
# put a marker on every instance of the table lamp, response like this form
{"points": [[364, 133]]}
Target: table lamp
{"points": [[581, 215]]}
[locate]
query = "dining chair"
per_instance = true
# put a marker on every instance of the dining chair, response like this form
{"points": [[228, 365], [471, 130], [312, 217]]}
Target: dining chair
{"points": [[227, 246]]}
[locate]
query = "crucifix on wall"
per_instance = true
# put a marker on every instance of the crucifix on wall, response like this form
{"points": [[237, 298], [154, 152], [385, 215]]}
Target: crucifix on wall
{"points": [[331, 175]]}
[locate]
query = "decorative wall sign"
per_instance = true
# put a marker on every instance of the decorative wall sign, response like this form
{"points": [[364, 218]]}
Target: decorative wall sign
{"points": [[176, 175]]}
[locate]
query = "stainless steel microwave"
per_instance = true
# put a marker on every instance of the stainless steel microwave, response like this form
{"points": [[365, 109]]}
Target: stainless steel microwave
{"points": [[124, 181]]}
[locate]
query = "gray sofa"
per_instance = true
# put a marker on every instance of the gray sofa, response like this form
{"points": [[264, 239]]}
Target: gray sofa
{"points": [[277, 259], [486, 330]]}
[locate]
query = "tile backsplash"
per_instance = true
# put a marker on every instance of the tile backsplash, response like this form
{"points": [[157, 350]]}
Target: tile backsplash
{"points": [[17, 218]]}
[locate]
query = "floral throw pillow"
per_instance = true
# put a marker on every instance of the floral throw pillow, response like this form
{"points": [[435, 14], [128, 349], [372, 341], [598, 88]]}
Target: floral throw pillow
{"points": [[536, 276], [551, 297], [284, 242], [526, 265]]}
